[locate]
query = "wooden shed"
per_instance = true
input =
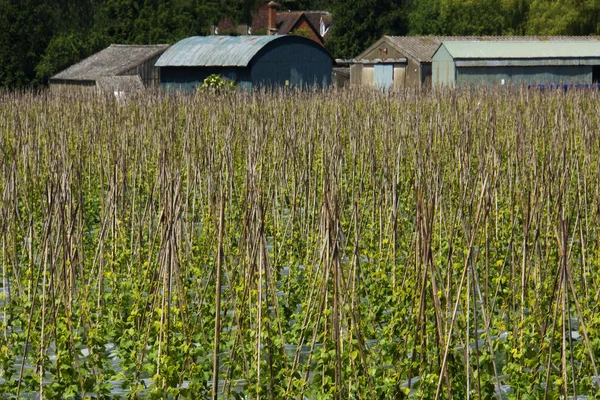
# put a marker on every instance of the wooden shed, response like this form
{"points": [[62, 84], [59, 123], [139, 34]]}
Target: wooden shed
{"points": [[388, 73], [117, 60]]}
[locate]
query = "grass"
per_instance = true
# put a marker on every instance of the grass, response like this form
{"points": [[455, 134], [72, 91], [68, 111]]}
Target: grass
{"points": [[341, 244]]}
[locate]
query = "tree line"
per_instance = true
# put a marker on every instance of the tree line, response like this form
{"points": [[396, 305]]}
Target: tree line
{"points": [[39, 38]]}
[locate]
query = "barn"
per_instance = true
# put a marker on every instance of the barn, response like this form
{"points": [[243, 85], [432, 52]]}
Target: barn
{"points": [[513, 63], [250, 61], [115, 69], [419, 50]]}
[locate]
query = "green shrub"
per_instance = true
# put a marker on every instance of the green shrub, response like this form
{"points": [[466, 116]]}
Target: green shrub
{"points": [[217, 82]]}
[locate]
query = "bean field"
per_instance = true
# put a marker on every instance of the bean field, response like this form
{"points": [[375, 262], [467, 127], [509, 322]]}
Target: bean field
{"points": [[307, 245]]}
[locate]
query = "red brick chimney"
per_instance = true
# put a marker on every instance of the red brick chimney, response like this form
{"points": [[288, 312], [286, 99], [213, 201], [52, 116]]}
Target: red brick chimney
{"points": [[272, 17]]}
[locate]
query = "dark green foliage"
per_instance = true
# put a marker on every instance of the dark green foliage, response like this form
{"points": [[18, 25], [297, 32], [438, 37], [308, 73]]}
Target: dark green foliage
{"points": [[504, 17], [26, 29], [41, 37], [516, 17], [359, 23], [569, 17], [239, 11], [466, 17], [425, 18], [64, 50]]}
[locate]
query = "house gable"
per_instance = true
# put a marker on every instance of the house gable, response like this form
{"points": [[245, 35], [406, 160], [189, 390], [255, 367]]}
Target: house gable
{"points": [[310, 22], [382, 49], [304, 25]]}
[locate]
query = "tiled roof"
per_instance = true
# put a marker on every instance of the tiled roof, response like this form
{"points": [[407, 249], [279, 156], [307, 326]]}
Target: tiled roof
{"points": [[327, 19], [286, 20], [315, 18], [113, 60]]}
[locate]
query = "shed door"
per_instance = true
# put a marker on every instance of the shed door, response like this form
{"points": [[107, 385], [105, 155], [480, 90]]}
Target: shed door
{"points": [[383, 75]]}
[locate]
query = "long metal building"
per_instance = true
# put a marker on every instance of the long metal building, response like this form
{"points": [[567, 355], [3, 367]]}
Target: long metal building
{"points": [[250, 61], [419, 50], [116, 68], [513, 63]]}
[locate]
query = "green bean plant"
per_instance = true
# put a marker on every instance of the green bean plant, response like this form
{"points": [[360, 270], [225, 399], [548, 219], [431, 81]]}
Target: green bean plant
{"points": [[300, 244]]}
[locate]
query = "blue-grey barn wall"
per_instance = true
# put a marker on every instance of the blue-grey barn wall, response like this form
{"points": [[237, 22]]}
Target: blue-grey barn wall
{"points": [[515, 75], [189, 78], [292, 60]]}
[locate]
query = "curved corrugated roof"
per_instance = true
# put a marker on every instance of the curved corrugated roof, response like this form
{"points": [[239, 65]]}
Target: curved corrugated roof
{"points": [[213, 51]]}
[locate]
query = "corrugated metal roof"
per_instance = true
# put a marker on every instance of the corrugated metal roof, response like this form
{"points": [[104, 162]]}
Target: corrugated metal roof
{"points": [[525, 62], [422, 48], [113, 60], [213, 51], [522, 50]]}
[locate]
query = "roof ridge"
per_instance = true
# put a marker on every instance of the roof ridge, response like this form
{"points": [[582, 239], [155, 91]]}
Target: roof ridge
{"points": [[143, 60], [137, 45]]}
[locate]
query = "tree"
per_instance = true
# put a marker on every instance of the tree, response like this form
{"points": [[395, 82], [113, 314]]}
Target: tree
{"points": [[299, 5], [62, 51], [359, 23], [115, 19], [240, 11], [516, 13], [468, 17], [425, 18], [41, 37], [169, 21], [471, 17], [27, 27], [564, 17]]}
